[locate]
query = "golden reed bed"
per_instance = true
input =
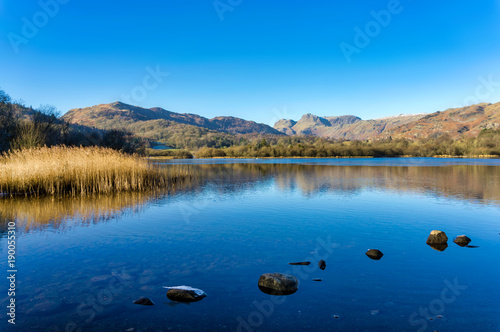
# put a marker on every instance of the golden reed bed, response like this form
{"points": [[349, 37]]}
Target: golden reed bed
{"points": [[78, 171]]}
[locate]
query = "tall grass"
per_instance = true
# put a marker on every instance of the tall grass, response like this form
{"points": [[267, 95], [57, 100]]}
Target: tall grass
{"points": [[74, 171]]}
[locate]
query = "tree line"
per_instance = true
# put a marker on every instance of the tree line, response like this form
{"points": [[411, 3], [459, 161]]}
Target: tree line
{"points": [[24, 127], [487, 143]]}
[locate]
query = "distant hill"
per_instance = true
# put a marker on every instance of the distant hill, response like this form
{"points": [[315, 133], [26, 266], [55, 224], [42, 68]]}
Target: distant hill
{"points": [[468, 121], [285, 126], [115, 115], [195, 131], [346, 127]]}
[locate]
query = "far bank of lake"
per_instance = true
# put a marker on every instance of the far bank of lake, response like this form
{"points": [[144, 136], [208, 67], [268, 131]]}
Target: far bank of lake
{"points": [[82, 261]]}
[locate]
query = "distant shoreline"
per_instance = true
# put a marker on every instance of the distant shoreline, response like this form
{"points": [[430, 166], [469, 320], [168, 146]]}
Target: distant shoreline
{"points": [[339, 157]]}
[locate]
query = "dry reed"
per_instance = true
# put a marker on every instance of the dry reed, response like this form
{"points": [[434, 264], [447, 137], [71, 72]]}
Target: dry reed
{"points": [[74, 171]]}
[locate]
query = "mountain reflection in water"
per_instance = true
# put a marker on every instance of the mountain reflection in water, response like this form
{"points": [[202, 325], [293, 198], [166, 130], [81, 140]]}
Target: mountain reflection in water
{"points": [[472, 183]]}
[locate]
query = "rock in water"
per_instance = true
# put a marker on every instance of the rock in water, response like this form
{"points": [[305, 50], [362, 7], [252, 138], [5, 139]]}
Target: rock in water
{"points": [[300, 263], [462, 240], [278, 284], [437, 237], [322, 264], [439, 247], [374, 254], [185, 294], [144, 301], [317, 279]]}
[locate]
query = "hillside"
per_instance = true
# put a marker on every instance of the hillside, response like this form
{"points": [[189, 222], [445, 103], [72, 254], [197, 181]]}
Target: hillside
{"points": [[467, 121], [115, 115], [346, 127], [194, 131]]}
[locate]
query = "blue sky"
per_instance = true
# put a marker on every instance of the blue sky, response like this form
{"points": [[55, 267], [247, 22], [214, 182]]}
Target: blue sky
{"points": [[253, 59]]}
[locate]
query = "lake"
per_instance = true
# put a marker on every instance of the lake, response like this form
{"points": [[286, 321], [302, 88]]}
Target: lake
{"points": [[82, 262]]}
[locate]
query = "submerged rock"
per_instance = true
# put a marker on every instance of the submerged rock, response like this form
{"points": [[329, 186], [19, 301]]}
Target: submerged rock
{"points": [[110, 311], [437, 237], [278, 284], [144, 301], [47, 307], [374, 254], [300, 263], [462, 240], [322, 264], [317, 279], [185, 294], [439, 247], [101, 278]]}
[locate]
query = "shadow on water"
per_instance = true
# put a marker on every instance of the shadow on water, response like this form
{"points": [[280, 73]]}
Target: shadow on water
{"points": [[471, 183]]}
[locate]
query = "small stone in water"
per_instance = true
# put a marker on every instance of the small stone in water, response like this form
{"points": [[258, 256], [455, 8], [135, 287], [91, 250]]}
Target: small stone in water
{"points": [[300, 263], [144, 301], [374, 254], [322, 264], [185, 294], [462, 240], [278, 284], [439, 316], [336, 316], [437, 237]]}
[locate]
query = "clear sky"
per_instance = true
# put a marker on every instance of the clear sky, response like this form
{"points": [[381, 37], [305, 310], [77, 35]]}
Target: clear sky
{"points": [[256, 59]]}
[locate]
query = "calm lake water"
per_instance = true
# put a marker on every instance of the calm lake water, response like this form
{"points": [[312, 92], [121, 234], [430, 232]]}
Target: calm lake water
{"points": [[82, 262]]}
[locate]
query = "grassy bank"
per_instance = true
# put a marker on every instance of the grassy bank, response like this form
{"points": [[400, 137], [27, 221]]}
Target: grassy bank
{"points": [[80, 171], [169, 154]]}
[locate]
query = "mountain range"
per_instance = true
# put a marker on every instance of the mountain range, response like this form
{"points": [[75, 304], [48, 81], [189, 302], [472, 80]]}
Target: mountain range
{"points": [[158, 123], [468, 121], [348, 127], [115, 115]]}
